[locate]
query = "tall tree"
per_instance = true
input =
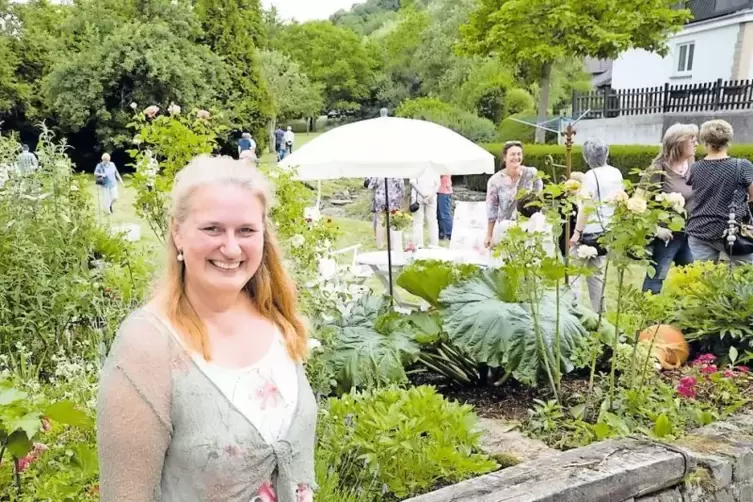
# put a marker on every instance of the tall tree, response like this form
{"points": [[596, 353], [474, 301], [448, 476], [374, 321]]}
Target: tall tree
{"points": [[542, 32], [235, 30]]}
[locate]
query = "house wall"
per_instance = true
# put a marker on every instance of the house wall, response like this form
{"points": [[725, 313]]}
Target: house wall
{"points": [[717, 49]]}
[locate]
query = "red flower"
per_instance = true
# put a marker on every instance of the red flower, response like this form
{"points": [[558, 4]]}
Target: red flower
{"points": [[705, 359], [729, 373], [711, 368], [688, 392], [688, 381], [743, 369], [394, 211]]}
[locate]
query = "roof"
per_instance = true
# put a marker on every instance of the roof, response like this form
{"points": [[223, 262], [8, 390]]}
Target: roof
{"points": [[709, 9]]}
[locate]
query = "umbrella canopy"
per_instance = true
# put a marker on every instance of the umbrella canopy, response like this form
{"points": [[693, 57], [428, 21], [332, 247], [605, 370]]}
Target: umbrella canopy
{"points": [[388, 147]]}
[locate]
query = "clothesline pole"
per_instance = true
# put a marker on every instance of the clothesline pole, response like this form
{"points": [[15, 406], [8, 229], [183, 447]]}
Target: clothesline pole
{"points": [[389, 238]]}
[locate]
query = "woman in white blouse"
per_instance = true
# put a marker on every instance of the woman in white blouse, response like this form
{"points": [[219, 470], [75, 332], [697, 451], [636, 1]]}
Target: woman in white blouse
{"points": [[203, 396]]}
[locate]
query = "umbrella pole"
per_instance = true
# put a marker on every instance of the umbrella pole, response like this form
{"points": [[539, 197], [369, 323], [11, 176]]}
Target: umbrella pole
{"points": [[389, 238]]}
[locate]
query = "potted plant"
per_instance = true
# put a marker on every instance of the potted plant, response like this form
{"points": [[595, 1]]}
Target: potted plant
{"points": [[399, 221]]}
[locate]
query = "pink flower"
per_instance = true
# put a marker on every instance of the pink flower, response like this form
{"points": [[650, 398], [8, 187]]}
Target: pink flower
{"points": [[32, 456], [688, 392], [743, 369], [707, 370], [202, 114], [269, 395], [729, 373], [704, 359], [688, 381], [266, 494], [303, 493]]}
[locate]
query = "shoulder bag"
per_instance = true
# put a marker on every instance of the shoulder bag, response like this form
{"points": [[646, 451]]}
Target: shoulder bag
{"points": [[592, 238]]}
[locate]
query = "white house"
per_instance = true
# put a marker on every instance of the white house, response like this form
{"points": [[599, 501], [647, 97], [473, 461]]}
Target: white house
{"points": [[716, 43]]}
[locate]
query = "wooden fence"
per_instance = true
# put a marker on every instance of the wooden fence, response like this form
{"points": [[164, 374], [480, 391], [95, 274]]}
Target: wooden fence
{"points": [[709, 96]]}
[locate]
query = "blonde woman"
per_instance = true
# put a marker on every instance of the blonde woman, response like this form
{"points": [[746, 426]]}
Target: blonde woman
{"points": [[203, 395], [107, 177], [669, 174], [720, 183]]}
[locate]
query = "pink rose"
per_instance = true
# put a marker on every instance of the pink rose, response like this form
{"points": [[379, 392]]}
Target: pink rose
{"points": [[707, 370], [202, 114], [151, 111]]}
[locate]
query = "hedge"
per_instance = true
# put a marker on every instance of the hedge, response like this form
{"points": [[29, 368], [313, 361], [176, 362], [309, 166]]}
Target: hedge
{"points": [[626, 158]]}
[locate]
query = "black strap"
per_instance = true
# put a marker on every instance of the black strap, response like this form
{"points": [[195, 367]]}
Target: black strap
{"points": [[598, 208]]}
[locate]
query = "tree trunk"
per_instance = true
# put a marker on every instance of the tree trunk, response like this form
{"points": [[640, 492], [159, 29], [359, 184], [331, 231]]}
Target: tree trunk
{"points": [[546, 74], [272, 127]]}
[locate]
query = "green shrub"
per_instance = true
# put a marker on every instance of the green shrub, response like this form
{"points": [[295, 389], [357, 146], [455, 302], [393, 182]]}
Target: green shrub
{"points": [[462, 122], [510, 130], [626, 158], [402, 441], [519, 101]]}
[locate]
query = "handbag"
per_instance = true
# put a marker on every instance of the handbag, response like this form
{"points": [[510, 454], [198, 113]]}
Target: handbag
{"points": [[741, 233], [414, 205], [591, 239]]}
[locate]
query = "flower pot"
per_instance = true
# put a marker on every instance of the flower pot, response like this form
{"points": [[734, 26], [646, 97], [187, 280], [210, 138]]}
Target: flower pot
{"points": [[396, 241]]}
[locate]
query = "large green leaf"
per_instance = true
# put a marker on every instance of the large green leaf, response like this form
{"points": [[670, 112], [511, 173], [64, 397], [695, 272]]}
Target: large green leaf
{"points": [[503, 334], [66, 413], [427, 278], [365, 358]]}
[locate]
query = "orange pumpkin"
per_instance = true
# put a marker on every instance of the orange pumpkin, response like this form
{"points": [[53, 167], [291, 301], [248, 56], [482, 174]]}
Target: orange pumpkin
{"points": [[670, 347]]}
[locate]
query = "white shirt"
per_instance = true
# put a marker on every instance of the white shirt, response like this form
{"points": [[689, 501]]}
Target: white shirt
{"points": [[266, 393], [289, 137], [427, 184], [609, 183]]}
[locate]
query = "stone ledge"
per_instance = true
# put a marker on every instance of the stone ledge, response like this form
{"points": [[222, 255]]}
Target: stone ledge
{"points": [[609, 471]]}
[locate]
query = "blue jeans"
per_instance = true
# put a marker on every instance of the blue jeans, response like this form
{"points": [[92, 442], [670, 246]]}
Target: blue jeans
{"points": [[677, 250], [444, 215]]}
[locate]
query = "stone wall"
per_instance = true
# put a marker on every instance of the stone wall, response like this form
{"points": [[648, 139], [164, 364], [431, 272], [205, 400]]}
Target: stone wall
{"points": [[649, 129], [714, 464]]}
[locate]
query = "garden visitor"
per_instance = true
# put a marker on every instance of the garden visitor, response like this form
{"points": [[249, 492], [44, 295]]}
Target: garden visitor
{"points": [[289, 139], [424, 194], [503, 188], [203, 395], [600, 184], [444, 207], [246, 143], [395, 190], [279, 136], [669, 174], [27, 162], [720, 183], [107, 177]]}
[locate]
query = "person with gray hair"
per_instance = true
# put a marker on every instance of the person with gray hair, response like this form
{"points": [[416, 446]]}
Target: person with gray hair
{"points": [[600, 184]]}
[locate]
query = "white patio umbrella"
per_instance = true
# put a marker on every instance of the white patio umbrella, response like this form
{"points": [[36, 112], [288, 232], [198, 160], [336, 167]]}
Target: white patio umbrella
{"points": [[388, 147]]}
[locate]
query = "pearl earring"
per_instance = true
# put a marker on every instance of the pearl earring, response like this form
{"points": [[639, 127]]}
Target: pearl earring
{"points": [[180, 255]]}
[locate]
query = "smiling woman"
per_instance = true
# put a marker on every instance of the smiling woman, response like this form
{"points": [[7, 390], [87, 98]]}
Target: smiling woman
{"points": [[203, 396]]}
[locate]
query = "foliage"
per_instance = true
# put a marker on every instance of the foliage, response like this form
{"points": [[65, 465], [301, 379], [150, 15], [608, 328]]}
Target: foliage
{"points": [[518, 101], [484, 317], [365, 18], [164, 144], [332, 57], [485, 92], [465, 123], [400, 442], [399, 220], [553, 32], [65, 282], [428, 278], [373, 345], [291, 92]]}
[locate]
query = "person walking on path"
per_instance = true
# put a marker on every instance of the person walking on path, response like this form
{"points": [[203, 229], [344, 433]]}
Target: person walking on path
{"points": [[107, 178], [289, 139], [721, 184], [424, 192], [246, 143], [27, 161], [669, 174], [279, 137], [444, 207]]}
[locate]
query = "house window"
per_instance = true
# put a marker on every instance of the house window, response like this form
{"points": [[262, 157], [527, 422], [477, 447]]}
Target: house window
{"points": [[685, 53]]}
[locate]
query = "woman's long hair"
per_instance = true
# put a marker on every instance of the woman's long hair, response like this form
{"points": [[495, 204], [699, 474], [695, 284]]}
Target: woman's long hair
{"points": [[271, 289], [672, 145]]}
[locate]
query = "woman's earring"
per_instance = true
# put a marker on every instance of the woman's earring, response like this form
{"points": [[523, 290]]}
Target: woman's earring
{"points": [[180, 255]]}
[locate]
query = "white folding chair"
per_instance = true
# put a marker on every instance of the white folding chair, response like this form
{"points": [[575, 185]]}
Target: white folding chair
{"points": [[360, 272]]}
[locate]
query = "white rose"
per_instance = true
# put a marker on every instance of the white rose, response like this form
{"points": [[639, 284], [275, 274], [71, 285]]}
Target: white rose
{"points": [[327, 268], [677, 201], [577, 176], [537, 224], [297, 241], [134, 105], [173, 109], [313, 344], [619, 196], [637, 205], [312, 213], [587, 252], [572, 185]]}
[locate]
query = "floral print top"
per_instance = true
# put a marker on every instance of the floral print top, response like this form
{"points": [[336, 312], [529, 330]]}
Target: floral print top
{"points": [[168, 433], [395, 190], [501, 192]]}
